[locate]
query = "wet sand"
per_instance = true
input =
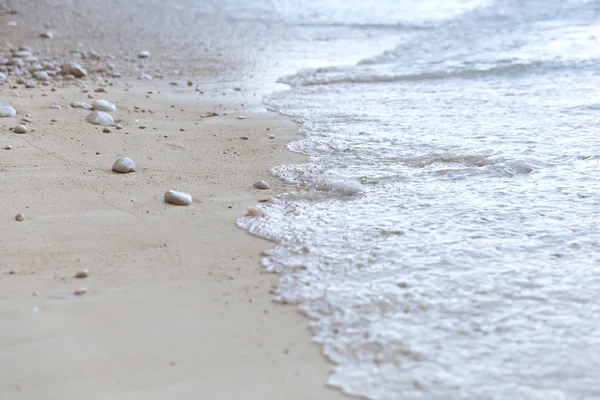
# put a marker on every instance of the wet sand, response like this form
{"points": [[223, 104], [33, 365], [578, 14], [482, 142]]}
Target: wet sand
{"points": [[177, 305]]}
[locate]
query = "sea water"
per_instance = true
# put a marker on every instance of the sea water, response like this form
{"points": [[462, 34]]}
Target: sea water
{"points": [[445, 238]]}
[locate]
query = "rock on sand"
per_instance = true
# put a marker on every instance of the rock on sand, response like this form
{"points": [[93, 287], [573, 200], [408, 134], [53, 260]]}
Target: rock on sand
{"points": [[100, 118], [103, 105], [7, 111]]}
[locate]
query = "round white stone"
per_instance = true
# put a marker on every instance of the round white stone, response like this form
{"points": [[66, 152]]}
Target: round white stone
{"points": [[7, 111], [73, 69], [100, 118], [178, 198], [81, 104], [124, 165], [144, 54], [20, 129], [261, 185], [103, 105]]}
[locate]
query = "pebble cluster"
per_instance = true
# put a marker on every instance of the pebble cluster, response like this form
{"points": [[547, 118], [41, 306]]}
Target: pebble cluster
{"points": [[21, 66]]}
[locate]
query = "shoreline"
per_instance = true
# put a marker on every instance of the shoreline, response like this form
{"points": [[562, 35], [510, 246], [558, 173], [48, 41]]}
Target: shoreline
{"points": [[177, 303]]}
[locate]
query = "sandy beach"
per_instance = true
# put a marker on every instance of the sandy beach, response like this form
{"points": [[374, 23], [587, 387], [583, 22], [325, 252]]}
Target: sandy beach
{"points": [[177, 305]]}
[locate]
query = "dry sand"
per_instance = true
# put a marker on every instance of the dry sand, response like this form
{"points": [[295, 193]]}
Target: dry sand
{"points": [[177, 305]]}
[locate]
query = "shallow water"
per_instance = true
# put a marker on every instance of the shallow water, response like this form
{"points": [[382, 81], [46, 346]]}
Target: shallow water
{"points": [[446, 240]]}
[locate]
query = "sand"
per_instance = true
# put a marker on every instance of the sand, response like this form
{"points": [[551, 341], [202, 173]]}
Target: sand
{"points": [[176, 303]]}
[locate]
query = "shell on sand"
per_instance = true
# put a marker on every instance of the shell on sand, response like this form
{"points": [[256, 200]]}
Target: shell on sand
{"points": [[7, 111], [178, 198], [103, 105], [100, 118], [124, 165]]}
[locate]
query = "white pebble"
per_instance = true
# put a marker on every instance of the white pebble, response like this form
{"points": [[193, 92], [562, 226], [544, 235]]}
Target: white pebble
{"points": [[20, 129], [2, 76], [30, 84], [80, 291], [41, 76], [261, 185], [145, 77], [47, 35], [100, 118], [81, 104], [73, 69], [23, 54], [178, 198], [8, 147], [82, 274], [7, 111], [124, 165], [144, 54], [55, 106], [19, 217], [103, 105], [271, 136]]}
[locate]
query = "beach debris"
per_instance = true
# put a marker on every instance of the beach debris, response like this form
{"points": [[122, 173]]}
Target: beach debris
{"points": [[81, 104], [103, 105], [100, 118], [7, 111], [55, 106], [8, 147], [73, 69], [263, 185], [144, 54], [19, 217], [124, 165], [20, 129], [81, 274], [107, 130], [178, 198], [80, 291]]}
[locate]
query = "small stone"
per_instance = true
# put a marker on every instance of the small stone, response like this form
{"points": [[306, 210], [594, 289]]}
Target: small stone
{"points": [[241, 117], [178, 198], [19, 217], [80, 291], [142, 126], [100, 118], [41, 76], [12, 271], [271, 136], [47, 35], [244, 137], [144, 54], [119, 126], [190, 83], [181, 130], [20, 129], [103, 105], [107, 130], [23, 53], [68, 77], [83, 273], [8, 147], [145, 77], [30, 84], [124, 165], [100, 90], [7, 111], [73, 69], [55, 106], [261, 185], [81, 104]]}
